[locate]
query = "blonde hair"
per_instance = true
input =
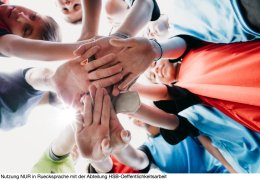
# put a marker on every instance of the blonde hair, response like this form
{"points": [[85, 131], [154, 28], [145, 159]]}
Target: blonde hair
{"points": [[51, 30]]}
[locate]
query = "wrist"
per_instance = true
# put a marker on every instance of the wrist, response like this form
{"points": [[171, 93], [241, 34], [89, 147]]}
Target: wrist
{"points": [[156, 49], [103, 166], [120, 35]]}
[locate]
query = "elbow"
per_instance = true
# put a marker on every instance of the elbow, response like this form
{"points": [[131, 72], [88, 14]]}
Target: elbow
{"points": [[143, 163]]}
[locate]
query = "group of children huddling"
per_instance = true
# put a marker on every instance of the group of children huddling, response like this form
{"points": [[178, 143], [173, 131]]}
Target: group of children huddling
{"points": [[202, 59]]}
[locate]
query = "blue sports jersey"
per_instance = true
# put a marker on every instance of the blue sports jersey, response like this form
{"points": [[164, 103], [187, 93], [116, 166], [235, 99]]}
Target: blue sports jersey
{"points": [[239, 145], [217, 21], [187, 156]]}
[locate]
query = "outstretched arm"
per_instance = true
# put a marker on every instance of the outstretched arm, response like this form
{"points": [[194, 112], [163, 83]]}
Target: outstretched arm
{"points": [[70, 80], [156, 117], [64, 142], [139, 15], [90, 18], [206, 142], [136, 55], [153, 92], [132, 157], [13, 45]]}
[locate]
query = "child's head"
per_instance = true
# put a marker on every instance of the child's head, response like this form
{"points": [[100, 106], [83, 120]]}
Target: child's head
{"points": [[150, 130], [71, 10], [163, 72], [26, 23]]}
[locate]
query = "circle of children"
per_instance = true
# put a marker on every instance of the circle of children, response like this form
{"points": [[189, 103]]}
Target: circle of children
{"points": [[202, 59]]}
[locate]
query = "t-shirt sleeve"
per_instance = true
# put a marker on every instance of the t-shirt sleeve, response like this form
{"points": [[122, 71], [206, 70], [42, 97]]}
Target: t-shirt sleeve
{"points": [[3, 29], [17, 97], [191, 42], [3, 32], [156, 10], [181, 99], [184, 130]]}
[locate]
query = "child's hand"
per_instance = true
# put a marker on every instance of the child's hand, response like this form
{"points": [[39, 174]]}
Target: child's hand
{"points": [[73, 78], [119, 137], [92, 135]]}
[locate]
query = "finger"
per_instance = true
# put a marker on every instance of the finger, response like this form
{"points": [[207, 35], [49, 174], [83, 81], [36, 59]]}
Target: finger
{"points": [[123, 43], [92, 91], [84, 48], [88, 111], [127, 82], [125, 136], [115, 91], [89, 53], [98, 106], [108, 81], [103, 73], [105, 147], [113, 114], [105, 117], [100, 62], [79, 122]]}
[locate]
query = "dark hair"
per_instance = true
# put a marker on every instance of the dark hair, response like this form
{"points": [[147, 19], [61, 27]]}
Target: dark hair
{"points": [[51, 30]]}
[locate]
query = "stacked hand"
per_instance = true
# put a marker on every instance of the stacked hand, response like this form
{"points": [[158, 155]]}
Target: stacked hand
{"points": [[134, 56], [72, 79], [99, 132]]}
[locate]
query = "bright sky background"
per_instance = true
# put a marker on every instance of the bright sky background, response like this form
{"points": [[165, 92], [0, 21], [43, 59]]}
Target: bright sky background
{"points": [[20, 148]]}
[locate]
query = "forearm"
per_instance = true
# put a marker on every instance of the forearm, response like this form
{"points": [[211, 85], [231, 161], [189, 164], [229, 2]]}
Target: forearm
{"points": [[152, 92], [40, 79], [36, 49], [103, 166], [137, 18], [156, 117], [133, 158], [64, 142], [91, 11], [206, 142]]}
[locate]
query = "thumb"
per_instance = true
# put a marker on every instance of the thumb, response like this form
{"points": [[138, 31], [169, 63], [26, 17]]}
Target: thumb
{"points": [[83, 48], [105, 147], [123, 43], [125, 136], [79, 123]]}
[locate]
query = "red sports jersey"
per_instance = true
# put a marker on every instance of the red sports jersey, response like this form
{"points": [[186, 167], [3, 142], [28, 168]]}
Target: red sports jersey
{"points": [[226, 76]]}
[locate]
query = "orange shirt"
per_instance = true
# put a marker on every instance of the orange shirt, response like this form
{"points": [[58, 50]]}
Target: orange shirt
{"points": [[226, 76]]}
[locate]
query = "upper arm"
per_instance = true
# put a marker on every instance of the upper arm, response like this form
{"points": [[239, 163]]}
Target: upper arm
{"points": [[152, 92], [13, 45], [206, 142], [139, 15]]}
